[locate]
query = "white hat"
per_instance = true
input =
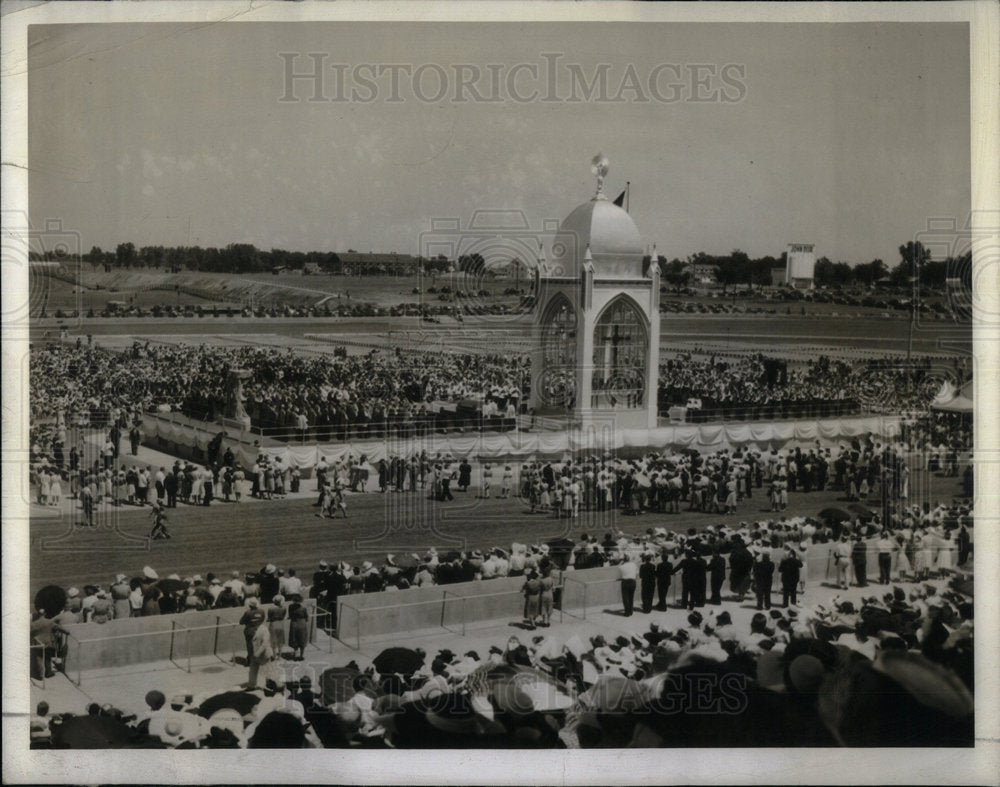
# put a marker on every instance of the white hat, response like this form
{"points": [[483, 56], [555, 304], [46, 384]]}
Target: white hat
{"points": [[366, 565], [149, 573], [119, 578], [176, 728], [269, 568], [73, 592]]}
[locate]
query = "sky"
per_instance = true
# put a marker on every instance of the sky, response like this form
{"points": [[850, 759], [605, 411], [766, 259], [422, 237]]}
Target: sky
{"points": [[848, 136]]}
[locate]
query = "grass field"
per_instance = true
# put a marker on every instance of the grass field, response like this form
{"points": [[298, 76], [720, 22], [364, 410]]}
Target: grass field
{"points": [[224, 537]]}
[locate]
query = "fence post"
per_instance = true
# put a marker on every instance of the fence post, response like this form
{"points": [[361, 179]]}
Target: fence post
{"points": [[584, 600], [464, 608], [357, 626]]}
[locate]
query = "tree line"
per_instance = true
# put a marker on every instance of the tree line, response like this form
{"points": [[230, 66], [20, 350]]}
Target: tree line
{"points": [[732, 270], [738, 268]]}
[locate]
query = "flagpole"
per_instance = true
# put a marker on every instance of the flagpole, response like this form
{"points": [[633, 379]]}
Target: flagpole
{"points": [[628, 188]]}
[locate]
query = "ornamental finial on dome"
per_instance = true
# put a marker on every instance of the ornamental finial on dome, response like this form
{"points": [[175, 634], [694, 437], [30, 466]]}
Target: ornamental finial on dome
{"points": [[599, 166]]}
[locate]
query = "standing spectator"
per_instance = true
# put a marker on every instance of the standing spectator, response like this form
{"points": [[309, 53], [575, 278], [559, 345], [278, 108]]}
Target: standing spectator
{"points": [[532, 590], [664, 570], [546, 600], [465, 477], [841, 559], [487, 479], [261, 651], [859, 558], [134, 438], [627, 574], [763, 579], [647, 583], [120, 592], [740, 566], [884, 547], [789, 569], [964, 543], [251, 618], [170, 487], [717, 572], [298, 627], [276, 621]]}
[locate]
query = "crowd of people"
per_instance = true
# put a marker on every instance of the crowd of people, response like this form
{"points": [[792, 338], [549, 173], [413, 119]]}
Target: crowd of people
{"points": [[923, 542], [322, 397], [759, 385], [381, 393], [895, 670]]}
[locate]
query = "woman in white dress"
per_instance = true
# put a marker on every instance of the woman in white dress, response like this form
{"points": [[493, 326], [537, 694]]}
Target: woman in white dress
{"points": [[197, 482], [44, 486], [240, 484], [55, 490], [903, 567], [946, 555], [923, 558]]}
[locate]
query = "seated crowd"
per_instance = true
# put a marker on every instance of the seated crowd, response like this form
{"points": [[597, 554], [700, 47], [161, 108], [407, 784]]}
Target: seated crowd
{"points": [[342, 397], [897, 670], [751, 383]]}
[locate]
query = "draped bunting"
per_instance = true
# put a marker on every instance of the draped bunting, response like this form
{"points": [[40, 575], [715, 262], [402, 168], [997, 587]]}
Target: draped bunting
{"points": [[523, 445]]}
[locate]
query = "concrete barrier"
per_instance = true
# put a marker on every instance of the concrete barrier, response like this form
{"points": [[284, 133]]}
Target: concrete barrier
{"points": [[178, 638]]}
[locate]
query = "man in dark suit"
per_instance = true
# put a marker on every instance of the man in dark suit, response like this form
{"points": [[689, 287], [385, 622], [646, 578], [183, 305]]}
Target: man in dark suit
{"points": [[763, 578], [664, 570], [170, 485], [717, 569], [647, 583], [692, 579], [789, 569], [859, 557]]}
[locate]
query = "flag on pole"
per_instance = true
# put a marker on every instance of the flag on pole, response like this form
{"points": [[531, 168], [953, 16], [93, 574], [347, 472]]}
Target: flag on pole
{"points": [[620, 200]]}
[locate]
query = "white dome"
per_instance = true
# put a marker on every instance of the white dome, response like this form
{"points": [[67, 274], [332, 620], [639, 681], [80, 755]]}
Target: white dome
{"points": [[606, 227], [615, 244]]}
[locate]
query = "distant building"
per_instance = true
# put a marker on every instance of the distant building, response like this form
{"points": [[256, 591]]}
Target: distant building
{"points": [[701, 273], [375, 263], [801, 266]]}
